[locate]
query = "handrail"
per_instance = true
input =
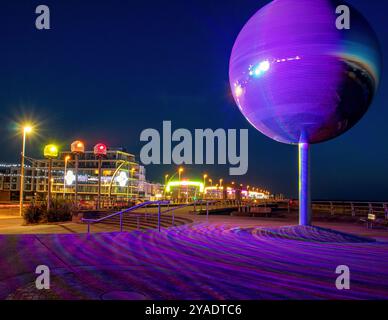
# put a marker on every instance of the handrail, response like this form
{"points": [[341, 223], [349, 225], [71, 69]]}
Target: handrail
{"points": [[141, 205]]}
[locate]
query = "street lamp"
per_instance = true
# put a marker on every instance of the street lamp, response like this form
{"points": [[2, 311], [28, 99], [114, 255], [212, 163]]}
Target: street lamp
{"points": [[165, 185], [211, 182], [132, 172], [204, 179], [50, 152], [67, 158], [99, 151], [77, 148], [221, 180], [180, 170], [204, 184], [26, 130]]}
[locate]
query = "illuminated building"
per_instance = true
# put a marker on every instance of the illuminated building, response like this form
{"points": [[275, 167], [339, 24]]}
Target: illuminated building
{"points": [[188, 190], [122, 178]]}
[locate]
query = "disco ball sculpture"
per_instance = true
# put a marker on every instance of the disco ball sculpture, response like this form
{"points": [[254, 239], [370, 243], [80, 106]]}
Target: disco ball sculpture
{"points": [[298, 79], [295, 76]]}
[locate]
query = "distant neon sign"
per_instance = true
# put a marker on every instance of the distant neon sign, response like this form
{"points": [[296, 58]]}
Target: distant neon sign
{"points": [[122, 179], [69, 178], [185, 183]]}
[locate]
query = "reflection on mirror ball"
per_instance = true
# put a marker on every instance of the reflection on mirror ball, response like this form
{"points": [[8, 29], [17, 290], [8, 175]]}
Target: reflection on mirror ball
{"points": [[297, 78]]}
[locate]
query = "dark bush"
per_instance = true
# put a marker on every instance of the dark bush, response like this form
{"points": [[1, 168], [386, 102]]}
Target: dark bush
{"points": [[34, 213], [60, 211]]}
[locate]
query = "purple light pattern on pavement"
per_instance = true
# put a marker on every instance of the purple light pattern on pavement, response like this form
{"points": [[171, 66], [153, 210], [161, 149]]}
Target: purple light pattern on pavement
{"points": [[200, 261]]}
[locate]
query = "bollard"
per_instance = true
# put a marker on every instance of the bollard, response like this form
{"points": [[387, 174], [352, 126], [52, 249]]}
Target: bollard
{"points": [[121, 222], [207, 210], [138, 222]]}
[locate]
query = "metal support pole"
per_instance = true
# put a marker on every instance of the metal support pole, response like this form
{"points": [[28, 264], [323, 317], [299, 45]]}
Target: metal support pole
{"points": [[49, 184], [21, 200], [88, 227], [121, 222], [159, 214], [76, 181], [207, 210], [304, 185], [99, 183]]}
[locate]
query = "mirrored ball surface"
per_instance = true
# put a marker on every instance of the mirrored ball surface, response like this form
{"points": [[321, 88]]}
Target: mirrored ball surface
{"points": [[296, 77]]}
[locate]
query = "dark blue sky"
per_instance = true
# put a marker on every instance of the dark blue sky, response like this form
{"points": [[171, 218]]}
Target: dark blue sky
{"points": [[109, 69]]}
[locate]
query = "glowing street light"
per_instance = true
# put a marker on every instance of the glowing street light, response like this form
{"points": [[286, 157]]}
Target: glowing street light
{"points": [[50, 152], [67, 159], [165, 184], [204, 182], [100, 151], [26, 130], [180, 170], [77, 148]]}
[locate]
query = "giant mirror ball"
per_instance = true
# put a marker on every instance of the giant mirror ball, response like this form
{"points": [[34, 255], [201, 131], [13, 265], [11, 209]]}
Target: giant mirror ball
{"points": [[297, 78]]}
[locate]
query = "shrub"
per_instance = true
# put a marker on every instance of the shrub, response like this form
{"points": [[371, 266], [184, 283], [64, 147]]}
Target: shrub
{"points": [[34, 213], [60, 211]]}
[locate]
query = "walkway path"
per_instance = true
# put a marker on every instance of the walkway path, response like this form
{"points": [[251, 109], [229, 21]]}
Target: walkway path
{"points": [[219, 259]]}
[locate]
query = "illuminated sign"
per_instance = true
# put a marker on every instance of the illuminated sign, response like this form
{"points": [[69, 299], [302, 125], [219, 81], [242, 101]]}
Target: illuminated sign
{"points": [[50, 151], [185, 183], [100, 149], [77, 147], [122, 179], [69, 178]]}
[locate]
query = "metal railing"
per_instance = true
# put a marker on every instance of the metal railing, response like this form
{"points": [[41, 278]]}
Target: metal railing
{"points": [[159, 213], [120, 213], [353, 208]]}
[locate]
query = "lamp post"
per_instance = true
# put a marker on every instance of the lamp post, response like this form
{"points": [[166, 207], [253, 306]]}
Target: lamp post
{"points": [[165, 185], [26, 130], [211, 182], [180, 170], [204, 184], [50, 152], [132, 172], [77, 148], [99, 151], [67, 158]]}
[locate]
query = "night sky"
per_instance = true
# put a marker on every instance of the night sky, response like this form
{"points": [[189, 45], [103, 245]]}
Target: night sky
{"points": [[109, 69]]}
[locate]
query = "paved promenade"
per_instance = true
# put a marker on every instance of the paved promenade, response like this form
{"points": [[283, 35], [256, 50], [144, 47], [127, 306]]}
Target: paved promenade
{"points": [[223, 258]]}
